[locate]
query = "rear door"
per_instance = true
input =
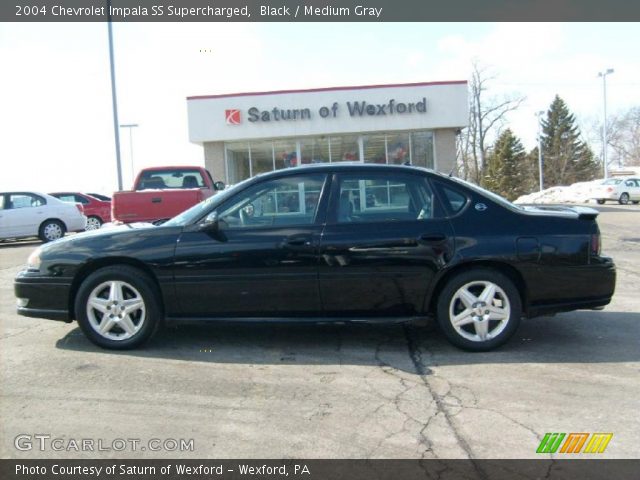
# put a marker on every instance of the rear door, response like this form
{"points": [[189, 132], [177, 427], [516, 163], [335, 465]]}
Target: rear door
{"points": [[385, 239], [263, 261], [23, 213]]}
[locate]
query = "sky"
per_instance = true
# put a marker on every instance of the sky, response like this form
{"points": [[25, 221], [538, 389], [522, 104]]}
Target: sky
{"points": [[56, 118]]}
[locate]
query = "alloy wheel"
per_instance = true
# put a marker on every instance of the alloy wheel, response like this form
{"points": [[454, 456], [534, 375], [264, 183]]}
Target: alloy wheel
{"points": [[479, 311], [93, 223], [116, 310]]}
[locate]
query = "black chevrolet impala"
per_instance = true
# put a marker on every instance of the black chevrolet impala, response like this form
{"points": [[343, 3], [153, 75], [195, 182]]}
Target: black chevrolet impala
{"points": [[331, 242]]}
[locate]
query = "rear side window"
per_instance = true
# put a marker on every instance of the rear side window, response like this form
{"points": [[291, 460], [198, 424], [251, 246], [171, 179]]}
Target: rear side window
{"points": [[371, 197], [25, 200], [454, 199]]}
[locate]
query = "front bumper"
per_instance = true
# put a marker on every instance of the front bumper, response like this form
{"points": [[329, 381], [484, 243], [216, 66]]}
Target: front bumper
{"points": [[42, 297]]}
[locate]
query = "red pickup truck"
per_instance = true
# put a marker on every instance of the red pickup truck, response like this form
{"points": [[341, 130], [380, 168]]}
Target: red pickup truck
{"points": [[160, 193]]}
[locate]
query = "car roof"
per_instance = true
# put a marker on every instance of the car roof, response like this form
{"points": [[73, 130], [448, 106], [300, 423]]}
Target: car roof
{"points": [[347, 166]]}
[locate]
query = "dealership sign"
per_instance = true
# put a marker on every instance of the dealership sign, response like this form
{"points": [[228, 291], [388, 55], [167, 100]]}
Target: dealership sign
{"points": [[354, 109]]}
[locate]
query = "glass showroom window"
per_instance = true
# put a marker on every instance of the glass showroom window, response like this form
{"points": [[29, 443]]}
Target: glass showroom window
{"points": [[237, 156], [286, 153], [422, 149], [374, 147], [261, 157], [398, 148], [345, 148], [314, 150]]}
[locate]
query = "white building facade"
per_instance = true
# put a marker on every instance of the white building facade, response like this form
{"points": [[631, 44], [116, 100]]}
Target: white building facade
{"points": [[250, 133]]}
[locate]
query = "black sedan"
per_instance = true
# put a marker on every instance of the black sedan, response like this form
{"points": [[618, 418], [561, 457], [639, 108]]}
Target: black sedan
{"points": [[332, 242]]}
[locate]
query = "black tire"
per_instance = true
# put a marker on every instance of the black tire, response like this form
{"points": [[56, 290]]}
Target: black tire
{"points": [[624, 199], [134, 283], [51, 230], [600, 202], [635, 202], [93, 222], [472, 280]]}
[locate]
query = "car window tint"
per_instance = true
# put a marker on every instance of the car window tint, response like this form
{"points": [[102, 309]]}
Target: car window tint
{"points": [[25, 200], [81, 200], [383, 198], [278, 202], [68, 197], [455, 200]]}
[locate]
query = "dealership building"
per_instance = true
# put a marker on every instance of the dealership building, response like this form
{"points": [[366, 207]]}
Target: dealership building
{"points": [[245, 134]]}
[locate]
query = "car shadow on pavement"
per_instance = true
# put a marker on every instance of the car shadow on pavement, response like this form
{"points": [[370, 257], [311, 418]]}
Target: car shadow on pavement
{"points": [[577, 337], [19, 243]]}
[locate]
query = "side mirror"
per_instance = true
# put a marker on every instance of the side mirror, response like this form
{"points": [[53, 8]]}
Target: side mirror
{"points": [[210, 223], [219, 185]]}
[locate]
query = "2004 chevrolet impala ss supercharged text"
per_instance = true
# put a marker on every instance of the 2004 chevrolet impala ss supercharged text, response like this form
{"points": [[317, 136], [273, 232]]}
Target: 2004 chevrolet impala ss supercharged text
{"points": [[325, 242]]}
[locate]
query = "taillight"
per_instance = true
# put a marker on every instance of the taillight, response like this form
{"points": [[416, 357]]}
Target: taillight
{"points": [[80, 208], [609, 189], [596, 244]]}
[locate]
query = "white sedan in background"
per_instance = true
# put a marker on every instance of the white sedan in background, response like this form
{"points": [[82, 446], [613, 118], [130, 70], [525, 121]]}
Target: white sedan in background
{"points": [[621, 190], [30, 214]]}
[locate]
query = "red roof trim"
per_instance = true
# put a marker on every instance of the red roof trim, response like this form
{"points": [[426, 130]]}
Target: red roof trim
{"points": [[328, 89]]}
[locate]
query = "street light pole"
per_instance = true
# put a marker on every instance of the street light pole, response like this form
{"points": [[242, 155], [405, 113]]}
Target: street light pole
{"points": [[604, 74], [114, 97], [130, 126], [540, 171]]}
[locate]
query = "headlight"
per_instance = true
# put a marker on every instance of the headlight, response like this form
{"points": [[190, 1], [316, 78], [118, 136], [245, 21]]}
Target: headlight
{"points": [[33, 263]]}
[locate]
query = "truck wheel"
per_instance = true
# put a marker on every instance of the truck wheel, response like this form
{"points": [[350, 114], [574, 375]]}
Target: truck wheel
{"points": [[51, 230], [118, 307], [479, 309]]}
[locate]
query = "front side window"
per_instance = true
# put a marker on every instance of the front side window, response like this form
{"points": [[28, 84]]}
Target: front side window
{"points": [[278, 202], [384, 198]]}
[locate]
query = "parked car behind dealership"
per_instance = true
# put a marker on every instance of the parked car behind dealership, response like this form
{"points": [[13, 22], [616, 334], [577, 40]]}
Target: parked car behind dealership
{"points": [[30, 214], [621, 190], [335, 242], [96, 211]]}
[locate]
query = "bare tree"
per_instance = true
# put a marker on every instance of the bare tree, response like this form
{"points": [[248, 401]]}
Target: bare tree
{"points": [[623, 137], [487, 116]]}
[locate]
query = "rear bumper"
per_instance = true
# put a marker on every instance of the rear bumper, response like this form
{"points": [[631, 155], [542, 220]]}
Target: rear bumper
{"points": [[575, 288], [42, 297]]}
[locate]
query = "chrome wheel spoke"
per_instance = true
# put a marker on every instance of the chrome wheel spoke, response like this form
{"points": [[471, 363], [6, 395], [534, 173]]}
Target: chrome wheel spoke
{"points": [[106, 324], [482, 329], [463, 318], [497, 313], [467, 298], [99, 304], [131, 305], [488, 294], [115, 292], [127, 325]]}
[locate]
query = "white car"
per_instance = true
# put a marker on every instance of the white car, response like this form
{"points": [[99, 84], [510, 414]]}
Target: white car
{"points": [[29, 214], [622, 190]]}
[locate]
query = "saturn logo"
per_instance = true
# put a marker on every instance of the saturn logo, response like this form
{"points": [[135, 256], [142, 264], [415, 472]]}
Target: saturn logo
{"points": [[232, 117]]}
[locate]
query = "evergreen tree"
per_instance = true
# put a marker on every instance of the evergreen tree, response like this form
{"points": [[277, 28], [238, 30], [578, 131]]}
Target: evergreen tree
{"points": [[567, 159], [508, 172]]}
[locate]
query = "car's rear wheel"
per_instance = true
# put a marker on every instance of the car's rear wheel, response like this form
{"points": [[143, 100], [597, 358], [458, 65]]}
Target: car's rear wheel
{"points": [[93, 223], [118, 308], [600, 201], [51, 230], [635, 202], [479, 310], [624, 199]]}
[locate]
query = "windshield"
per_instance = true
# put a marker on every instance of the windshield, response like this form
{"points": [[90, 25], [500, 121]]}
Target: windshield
{"points": [[613, 181], [493, 196], [204, 207]]}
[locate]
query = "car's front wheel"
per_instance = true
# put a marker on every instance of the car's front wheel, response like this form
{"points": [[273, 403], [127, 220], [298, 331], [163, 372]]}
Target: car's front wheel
{"points": [[93, 223], [51, 230], [479, 309], [117, 307], [624, 199], [600, 201]]}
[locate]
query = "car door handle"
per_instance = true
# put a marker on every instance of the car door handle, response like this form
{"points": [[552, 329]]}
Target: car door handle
{"points": [[156, 200], [433, 237], [302, 241]]}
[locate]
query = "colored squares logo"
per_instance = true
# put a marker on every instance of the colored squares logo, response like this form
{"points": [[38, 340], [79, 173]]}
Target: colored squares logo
{"points": [[232, 117], [574, 443]]}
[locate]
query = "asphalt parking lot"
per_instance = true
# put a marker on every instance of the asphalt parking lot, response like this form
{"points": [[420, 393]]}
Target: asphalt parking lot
{"points": [[330, 391]]}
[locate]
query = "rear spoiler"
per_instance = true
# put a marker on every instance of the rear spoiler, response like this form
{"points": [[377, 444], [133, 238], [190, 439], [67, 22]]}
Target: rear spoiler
{"points": [[583, 213]]}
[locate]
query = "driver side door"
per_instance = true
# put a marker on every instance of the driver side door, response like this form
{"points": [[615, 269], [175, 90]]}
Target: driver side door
{"points": [[263, 259]]}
